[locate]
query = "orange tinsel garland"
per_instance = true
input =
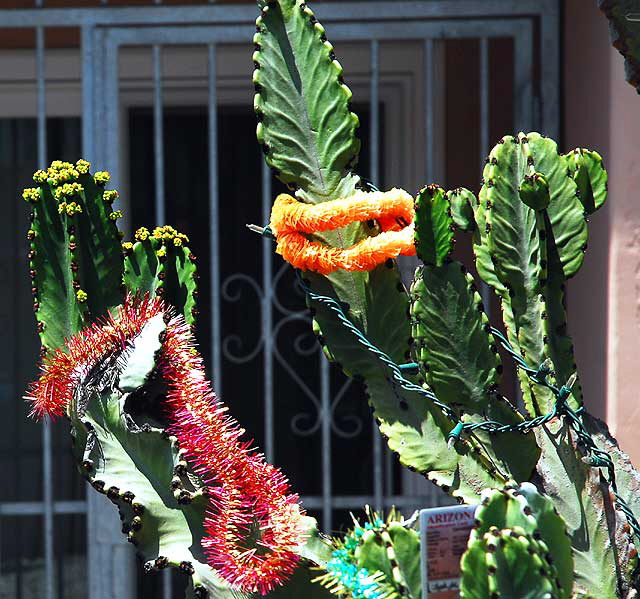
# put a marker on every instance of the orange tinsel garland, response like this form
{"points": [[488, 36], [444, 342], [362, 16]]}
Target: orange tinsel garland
{"points": [[392, 209]]}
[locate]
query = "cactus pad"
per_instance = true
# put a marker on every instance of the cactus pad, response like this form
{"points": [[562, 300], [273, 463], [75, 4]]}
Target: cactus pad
{"points": [[518, 548], [433, 226], [306, 127]]}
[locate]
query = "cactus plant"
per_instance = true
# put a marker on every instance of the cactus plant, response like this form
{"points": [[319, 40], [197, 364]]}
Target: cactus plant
{"points": [[518, 548], [430, 359], [119, 361]]}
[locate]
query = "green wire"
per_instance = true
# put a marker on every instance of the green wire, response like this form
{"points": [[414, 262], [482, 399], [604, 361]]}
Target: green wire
{"points": [[596, 457]]}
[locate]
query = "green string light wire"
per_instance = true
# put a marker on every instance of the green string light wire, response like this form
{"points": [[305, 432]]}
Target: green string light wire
{"points": [[595, 456]]}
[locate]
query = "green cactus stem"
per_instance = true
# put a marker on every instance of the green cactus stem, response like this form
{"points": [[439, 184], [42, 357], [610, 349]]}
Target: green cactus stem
{"points": [[74, 260], [458, 359], [460, 202], [376, 302], [455, 351], [160, 263], [310, 101], [587, 169], [433, 226], [518, 548]]}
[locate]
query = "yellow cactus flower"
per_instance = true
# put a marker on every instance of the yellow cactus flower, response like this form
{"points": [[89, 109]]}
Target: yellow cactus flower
{"points": [[142, 234], [31, 194], [102, 177], [82, 166]]}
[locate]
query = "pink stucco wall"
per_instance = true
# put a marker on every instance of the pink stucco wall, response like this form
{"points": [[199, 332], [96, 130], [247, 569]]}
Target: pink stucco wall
{"points": [[602, 112]]}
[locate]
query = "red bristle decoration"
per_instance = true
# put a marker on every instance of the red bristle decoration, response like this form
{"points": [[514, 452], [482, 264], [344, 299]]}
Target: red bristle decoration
{"points": [[253, 524], [62, 368]]}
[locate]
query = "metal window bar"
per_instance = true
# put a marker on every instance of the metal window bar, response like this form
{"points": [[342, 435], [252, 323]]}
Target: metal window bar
{"points": [[160, 204], [47, 468], [374, 141], [158, 136], [428, 107], [485, 292], [214, 219]]}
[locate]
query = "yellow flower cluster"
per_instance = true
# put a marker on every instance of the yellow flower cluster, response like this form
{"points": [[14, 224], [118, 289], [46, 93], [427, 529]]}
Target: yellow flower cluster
{"points": [[168, 234], [40, 176], [67, 189], [142, 234], [102, 177], [110, 196], [115, 215], [31, 194], [60, 165], [71, 208], [127, 246], [81, 296], [82, 166], [61, 172]]}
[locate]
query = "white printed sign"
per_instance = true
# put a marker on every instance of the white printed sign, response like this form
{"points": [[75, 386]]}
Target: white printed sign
{"points": [[444, 533]]}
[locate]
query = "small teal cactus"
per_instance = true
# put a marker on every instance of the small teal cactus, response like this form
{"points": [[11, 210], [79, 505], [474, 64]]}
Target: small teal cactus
{"points": [[377, 560]]}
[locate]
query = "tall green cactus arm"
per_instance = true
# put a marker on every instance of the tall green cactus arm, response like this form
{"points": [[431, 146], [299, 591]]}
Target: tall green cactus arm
{"points": [[375, 302], [511, 253], [57, 304], [518, 548], [74, 258], [456, 353], [515, 244], [566, 213], [98, 242], [160, 263], [306, 128], [458, 358], [624, 27], [588, 172]]}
